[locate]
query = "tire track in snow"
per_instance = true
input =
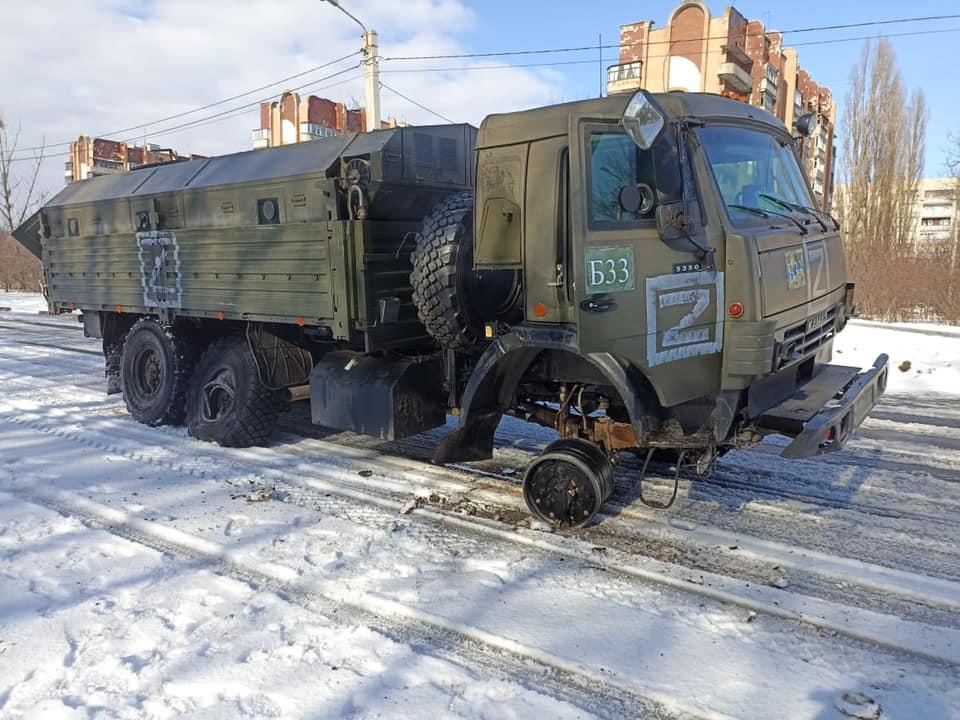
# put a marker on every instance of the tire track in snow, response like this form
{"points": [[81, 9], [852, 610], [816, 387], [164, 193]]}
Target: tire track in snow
{"points": [[930, 642], [918, 588], [432, 634]]}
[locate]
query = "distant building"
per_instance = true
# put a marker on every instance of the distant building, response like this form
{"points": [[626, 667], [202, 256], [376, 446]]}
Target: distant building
{"points": [[934, 218], [732, 56], [293, 119], [937, 214], [90, 157]]}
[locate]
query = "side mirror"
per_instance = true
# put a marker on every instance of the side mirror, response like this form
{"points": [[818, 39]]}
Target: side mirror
{"points": [[805, 124], [643, 120]]}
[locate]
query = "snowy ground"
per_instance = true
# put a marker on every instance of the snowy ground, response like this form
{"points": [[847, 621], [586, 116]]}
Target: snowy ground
{"points": [[139, 580]]}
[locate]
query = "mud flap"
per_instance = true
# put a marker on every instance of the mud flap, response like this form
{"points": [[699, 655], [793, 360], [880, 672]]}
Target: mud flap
{"points": [[388, 399]]}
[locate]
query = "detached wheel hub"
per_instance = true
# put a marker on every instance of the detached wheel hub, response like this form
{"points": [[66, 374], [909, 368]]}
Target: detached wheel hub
{"points": [[568, 483]]}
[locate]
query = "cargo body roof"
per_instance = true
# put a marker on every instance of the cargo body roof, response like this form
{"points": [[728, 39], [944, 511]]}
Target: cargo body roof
{"points": [[315, 157]]}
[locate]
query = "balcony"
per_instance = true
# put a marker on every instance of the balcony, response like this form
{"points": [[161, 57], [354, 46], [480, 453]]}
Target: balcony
{"points": [[106, 167], [735, 77], [261, 138], [737, 54], [768, 87], [313, 131], [938, 212], [624, 77]]}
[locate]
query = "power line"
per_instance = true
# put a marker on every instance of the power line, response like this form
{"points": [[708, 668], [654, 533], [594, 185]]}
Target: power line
{"points": [[231, 112], [422, 107], [216, 117], [830, 41], [504, 66], [207, 106], [544, 51], [236, 112], [255, 103]]}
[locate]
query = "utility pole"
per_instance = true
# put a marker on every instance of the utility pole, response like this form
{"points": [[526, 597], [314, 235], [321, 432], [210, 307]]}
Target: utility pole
{"points": [[371, 70], [371, 78]]}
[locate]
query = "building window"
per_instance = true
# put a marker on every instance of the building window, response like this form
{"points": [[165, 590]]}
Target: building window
{"points": [[315, 130], [770, 74]]}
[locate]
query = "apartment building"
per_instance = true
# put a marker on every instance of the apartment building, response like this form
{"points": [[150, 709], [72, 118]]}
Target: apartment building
{"points": [[732, 56], [937, 214], [293, 119], [91, 157]]}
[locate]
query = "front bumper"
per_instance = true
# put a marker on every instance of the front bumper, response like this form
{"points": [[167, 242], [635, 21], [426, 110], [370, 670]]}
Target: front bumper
{"points": [[823, 413]]}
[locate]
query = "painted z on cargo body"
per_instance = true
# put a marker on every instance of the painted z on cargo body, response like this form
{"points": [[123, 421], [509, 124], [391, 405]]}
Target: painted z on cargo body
{"points": [[640, 273]]}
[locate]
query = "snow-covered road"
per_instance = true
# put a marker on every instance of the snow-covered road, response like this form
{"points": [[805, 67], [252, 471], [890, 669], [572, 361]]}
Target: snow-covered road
{"points": [[138, 579]]}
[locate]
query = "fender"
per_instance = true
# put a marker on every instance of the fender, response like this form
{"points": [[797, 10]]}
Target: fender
{"points": [[494, 381]]}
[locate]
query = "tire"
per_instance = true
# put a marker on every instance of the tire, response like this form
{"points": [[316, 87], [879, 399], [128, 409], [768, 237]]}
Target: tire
{"points": [[155, 369], [452, 300], [227, 404]]}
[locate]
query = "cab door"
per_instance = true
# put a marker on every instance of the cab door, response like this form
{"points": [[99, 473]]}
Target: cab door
{"points": [[636, 296]]}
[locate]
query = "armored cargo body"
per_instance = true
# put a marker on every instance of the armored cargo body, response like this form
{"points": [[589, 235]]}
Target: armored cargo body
{"points": [[640, 273]]}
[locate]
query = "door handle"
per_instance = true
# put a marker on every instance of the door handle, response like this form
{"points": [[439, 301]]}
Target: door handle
{"points": [[598, 305]]}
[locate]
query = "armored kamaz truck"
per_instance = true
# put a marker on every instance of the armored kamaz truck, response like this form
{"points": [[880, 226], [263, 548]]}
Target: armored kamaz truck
{"points": [[644, 274]]}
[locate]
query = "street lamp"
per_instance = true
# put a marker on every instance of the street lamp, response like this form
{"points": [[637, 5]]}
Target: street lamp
{"points": [[371, 69]]}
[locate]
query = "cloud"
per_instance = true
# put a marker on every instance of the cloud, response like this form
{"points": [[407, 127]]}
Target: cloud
{"points": [[89, 67]]}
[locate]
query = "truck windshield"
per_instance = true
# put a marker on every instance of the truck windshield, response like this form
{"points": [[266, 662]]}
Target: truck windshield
{"points": [[755, 171]]}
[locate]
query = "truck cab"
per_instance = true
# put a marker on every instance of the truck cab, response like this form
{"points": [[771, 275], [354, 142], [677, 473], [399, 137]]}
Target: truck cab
{"points": [[670, 245]]}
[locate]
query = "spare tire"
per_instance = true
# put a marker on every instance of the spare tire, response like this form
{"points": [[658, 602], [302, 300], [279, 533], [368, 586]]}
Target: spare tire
{"points": [[453, 302]]}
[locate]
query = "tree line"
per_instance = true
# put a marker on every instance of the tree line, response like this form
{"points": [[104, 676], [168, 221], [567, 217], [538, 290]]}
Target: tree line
{"points": [[878, 201], [19, 197]]}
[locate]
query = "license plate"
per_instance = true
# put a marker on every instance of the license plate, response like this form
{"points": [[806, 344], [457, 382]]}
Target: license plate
{"points": [[817, 321]]}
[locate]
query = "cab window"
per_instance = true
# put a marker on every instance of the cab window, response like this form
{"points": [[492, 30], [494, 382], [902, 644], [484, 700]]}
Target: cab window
{"points": [[753, 170], [616, 163]]}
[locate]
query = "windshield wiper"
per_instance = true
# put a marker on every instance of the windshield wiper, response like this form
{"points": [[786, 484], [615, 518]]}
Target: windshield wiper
{"points": [[795, 207], [767, 213]]}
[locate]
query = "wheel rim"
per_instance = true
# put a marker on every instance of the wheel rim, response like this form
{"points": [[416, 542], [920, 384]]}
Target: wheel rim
{"points": [[568, 483], [218, 395], [149, 370], [559, 491]]}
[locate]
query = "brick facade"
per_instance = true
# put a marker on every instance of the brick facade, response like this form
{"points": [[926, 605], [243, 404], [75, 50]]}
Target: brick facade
{"points": [[733, 56], [293, 119], [90, 157]]}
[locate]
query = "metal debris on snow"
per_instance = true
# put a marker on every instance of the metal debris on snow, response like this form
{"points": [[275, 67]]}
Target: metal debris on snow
{"points": [[263, 494]]}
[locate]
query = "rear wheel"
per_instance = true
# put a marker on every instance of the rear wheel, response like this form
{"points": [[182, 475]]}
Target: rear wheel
{"points": [[155, 367], [227, 403]]}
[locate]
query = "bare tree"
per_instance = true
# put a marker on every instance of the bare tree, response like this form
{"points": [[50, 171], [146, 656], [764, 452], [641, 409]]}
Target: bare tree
{"points": [[19, 196], [882, 155], [953, 155], [881, 160]]}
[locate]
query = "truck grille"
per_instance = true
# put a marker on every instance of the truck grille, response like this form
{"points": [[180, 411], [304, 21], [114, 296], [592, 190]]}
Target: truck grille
{"points": [[805, 338]]}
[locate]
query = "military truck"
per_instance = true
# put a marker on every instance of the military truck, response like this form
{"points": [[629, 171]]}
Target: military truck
{"points": [[641, 273]]}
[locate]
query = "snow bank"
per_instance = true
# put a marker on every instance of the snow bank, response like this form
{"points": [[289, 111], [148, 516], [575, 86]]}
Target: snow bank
{"points": [[21, 302], [924, 359]]}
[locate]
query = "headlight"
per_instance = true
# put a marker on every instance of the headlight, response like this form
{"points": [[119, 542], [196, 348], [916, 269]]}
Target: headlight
{"points": [[643, 120]]}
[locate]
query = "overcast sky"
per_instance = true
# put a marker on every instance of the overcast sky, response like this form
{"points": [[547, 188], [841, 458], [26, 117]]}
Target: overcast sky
{"points": [[99, 66]]}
